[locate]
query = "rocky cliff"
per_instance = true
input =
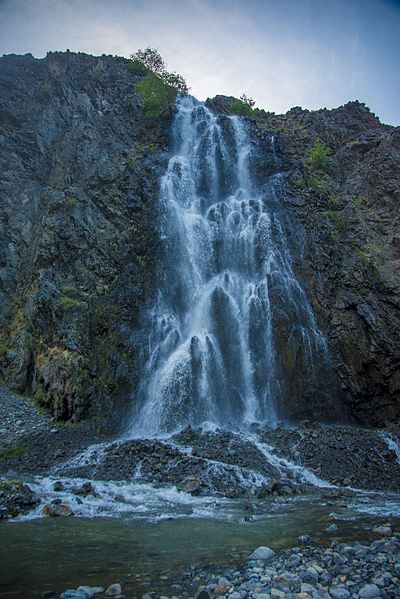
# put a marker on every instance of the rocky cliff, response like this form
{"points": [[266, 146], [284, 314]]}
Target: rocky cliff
{"points": [[347, 210], [80, 171]]}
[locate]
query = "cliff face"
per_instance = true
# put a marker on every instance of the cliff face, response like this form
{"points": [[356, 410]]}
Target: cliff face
{"points": [[347, 212], [80, 171]]}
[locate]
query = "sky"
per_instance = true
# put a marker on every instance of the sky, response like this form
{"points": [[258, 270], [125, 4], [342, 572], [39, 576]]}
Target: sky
{"points": [[283, 53]]}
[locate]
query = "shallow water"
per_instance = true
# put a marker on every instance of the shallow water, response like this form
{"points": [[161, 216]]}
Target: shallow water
{"points": [[56, 554]]}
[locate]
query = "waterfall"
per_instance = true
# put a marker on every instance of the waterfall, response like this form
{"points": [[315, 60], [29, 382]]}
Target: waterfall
{"points": [[232, 331]]}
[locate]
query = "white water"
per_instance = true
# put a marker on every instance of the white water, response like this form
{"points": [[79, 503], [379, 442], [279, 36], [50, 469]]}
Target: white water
{"points": [[226, 285], [392, 444]]}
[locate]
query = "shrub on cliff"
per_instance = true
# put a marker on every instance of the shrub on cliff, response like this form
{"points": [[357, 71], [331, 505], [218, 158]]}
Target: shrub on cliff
{"points": [[156, 96], [319, 155], [240, 108]]}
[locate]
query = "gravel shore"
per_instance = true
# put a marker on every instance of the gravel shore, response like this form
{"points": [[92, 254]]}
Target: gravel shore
{"points": [[362, 570]]}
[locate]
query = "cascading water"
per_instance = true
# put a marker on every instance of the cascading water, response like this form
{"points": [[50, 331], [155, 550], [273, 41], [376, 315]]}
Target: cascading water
{"points": [[231, 323]]}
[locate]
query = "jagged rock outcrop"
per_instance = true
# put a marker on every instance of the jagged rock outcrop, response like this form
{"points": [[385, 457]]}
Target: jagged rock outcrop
{"points": [[80, 171]]}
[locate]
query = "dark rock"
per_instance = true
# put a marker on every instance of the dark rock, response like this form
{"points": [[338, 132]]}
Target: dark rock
{"points": [[55, 510]]}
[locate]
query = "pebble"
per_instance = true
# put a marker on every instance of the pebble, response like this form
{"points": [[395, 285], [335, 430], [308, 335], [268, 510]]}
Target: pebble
{"points": [[114, 590], [91, 591], [369, 591], [340, 571], [262, 553]]}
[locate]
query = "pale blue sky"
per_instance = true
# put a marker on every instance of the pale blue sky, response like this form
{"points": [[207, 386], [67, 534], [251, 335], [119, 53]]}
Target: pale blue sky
{"points": [[284, 53]]}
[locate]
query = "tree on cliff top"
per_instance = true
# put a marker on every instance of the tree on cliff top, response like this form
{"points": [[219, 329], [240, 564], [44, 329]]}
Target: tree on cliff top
{"points": [[153, 61]]}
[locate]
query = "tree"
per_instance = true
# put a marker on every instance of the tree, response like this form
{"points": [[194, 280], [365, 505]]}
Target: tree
{"points": [[247, 100], [152, 60]]}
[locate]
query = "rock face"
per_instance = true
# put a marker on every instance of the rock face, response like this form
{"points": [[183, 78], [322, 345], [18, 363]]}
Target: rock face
{"points": [[80, 171], [345, 210], [81, 166]]}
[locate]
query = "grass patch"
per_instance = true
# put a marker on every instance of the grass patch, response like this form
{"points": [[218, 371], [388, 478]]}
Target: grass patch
{"points": [[14, 452], [69, 303], [358, 201], [318, 183], [69, 289]]}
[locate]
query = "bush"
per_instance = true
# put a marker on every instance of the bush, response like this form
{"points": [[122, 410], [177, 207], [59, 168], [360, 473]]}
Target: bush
{"points": [[157, 97], [319, 153], [240, 108], [137, 68], [69, 289], [69, 303]]}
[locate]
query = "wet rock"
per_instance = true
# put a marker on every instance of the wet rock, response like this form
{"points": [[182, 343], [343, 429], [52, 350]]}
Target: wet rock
{"points": [[191, 485], [16, 498], [384, 530], [72, 594], [56, 510], [85, 490], [91, 591], [339, 593], [332, 528], [58, 486], [262, 553], [114, 590], [304, 539]]}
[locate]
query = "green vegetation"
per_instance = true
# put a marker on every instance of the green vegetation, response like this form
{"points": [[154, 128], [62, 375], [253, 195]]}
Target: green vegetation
{"points": [[152, 61], [69, 303], [46, 91], [319, 154], [317, 183], [157, 97], [14, 452], [335, 218], [71, 201], [69, 289], [4, 349], [358, 201], [136, 67], [240, 108]]}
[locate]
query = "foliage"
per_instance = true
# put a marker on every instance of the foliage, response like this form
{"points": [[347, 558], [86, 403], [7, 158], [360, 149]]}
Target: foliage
{"points": [[157, 97], [14, 452], [337, 219], [240, 108], [358, 201], [72, 201], [247, 100], [151, 60], [318, 183], [4, 349], [319, 153], [69, 289], [46, 91], [69, 303], [136, 67]]}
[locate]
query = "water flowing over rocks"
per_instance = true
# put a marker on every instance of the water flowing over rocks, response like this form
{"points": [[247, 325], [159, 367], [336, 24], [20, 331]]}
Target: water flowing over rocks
{"points": [[80, 240]]}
